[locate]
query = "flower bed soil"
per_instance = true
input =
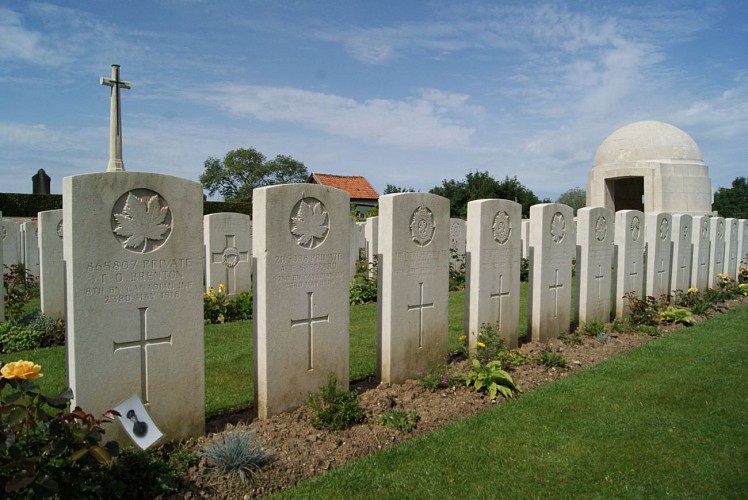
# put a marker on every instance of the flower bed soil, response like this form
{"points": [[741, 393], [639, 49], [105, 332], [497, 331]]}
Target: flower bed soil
{"points": [[301, 451]]}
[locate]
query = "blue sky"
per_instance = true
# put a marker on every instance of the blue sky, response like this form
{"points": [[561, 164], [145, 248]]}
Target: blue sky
{"points": [[402, 92]]}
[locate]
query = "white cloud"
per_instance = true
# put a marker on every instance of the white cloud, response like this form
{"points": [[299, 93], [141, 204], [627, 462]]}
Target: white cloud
{"points": [[428, 120], [18, 43]]}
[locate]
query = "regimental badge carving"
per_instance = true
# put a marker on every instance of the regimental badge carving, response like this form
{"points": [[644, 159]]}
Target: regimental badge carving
{"points": [[558, 227], [601, 228], [230, 257], [310, 223], [141, 221], [59, 229], [664, 229], [636, 228], [720, 229], [705, 228], [422, 226], [502, 227]]}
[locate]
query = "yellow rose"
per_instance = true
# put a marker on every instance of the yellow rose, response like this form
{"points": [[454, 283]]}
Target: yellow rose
{"points": [[481, 344], [221, 289], [461, 338], [693, 289], [21, 370]]}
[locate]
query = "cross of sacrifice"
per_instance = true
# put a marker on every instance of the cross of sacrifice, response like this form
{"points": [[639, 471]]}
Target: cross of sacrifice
{"points": [[230, 258], [143, 344], [309, 322], [115, 120], [500, 295], [554, 288], [599, 277], [420, 307]]}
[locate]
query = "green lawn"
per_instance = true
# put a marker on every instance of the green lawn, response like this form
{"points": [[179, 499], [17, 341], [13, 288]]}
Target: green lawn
{"points": [[669, 419], [228, 355]]}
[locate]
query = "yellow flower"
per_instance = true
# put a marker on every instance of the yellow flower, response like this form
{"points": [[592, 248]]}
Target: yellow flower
{"points": [[481, 344], [693, 289], [21, 370], [221, 288], [461, 338]]}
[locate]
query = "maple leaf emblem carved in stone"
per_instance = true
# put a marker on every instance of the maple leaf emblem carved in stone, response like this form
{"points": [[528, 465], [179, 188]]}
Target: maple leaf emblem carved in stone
{"points": [[310, 224], [558, 227], [142, 221]]}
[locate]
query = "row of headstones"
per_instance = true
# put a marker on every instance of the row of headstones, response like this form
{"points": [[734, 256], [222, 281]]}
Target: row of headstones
{"points": [[20, 242], [134, 263]]}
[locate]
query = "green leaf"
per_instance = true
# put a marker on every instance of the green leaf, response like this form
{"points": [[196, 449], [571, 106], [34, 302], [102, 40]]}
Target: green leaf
{"points": [[101, 454], [77, 455]]}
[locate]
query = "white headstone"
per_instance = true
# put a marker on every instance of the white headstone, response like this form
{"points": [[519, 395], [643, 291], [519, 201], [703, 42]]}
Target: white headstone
{"points": [[743, 240], [30, 247], [629, 242], [228, 247], [552, 248], [134, 270], [682, 256], [731, 247], [300, 259], [2, 302], [494, 252], [457, 242], [51, 265], [11, 242], [372, 244], [360, 237], [526, 238], [413, 300], [595, 236], [716, 250], [657, 236], [700, 240]]}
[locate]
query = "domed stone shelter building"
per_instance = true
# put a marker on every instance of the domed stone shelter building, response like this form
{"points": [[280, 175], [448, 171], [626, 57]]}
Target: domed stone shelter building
{"points": [[653, 167]]}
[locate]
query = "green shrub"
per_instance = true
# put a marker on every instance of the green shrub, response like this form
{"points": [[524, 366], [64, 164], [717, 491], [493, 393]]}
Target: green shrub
{"points": [[550, 359], [333, 408], [239, 307], [362, 288], [593, 328], [643, 311], [434, 379], [20, 287], [575, 338], [399, 419], [492, 378], [46, 450], [140, 474], [457, 273], [673, 314], [14, 337], [235, 452]]}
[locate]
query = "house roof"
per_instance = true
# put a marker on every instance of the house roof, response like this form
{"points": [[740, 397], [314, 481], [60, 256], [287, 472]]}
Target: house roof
{"points": [[358, 187]]}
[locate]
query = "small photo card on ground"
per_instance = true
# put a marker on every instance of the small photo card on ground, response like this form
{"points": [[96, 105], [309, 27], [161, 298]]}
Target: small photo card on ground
{"points": [[137, 422]]}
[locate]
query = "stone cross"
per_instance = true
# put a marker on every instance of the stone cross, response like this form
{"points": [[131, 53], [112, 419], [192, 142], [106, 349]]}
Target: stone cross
{"points": [[420, 307], [554, 288], [230, 257], [115, 120], [309, 322], [142, 344], [500, 295]]}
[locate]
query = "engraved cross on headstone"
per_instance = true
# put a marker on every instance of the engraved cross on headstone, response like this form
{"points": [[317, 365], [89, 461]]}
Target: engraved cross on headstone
{"points": [[632, 275], [554, 288], [143, 344], [115, 120], [661, 275], [500, 295], [420, 307], [599, 277], [230, 257], [309, 322], [682, 271]]}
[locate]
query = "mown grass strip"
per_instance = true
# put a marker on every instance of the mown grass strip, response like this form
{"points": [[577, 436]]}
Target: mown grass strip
{"points": [[668, 419]]}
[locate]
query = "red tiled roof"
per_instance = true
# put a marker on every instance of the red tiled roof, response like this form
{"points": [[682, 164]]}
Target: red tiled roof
{"points": [[358, 187]]}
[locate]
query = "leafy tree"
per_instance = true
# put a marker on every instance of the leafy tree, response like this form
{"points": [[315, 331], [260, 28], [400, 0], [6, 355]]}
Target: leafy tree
{"points": [[732, 202], [575, 197], [243, 170], [391, 189], [481, 185]]}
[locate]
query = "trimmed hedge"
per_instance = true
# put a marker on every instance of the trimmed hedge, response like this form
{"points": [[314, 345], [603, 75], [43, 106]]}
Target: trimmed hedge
{"points": [[28, 205]]}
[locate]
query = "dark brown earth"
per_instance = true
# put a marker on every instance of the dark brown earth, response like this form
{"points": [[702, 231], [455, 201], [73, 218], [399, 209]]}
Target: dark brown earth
{"points": [[301, 451]]}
